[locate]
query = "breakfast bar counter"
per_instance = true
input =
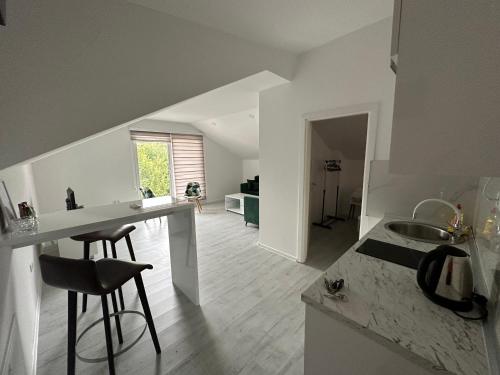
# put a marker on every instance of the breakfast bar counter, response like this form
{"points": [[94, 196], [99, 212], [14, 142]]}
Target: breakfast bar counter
{"points": [[181, 231]]}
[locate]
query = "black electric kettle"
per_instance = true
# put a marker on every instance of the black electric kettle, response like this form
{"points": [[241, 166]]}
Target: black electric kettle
{"points": [[445, 276]]}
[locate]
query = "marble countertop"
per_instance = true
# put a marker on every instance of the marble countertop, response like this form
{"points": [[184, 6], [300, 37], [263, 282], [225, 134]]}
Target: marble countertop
{"points": [[385, 303], [62, 224]]}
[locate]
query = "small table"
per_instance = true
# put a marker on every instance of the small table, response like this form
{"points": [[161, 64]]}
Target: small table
{"points": [[234, 202]]}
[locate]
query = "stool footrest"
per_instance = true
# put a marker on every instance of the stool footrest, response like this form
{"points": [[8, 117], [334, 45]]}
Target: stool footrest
{"points": [[118, 353]]}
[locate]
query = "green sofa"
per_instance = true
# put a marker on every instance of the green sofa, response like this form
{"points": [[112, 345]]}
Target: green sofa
{"points": [[250, 187], [251, 210]]}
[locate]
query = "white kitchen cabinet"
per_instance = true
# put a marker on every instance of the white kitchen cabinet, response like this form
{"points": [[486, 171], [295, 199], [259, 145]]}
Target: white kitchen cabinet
{"points": [[447, 103], [335, 347]]}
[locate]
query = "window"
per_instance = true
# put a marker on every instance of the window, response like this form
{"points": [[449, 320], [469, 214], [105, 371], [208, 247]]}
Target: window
{"points": [[153, 167], [166, 163], [188, 162]]}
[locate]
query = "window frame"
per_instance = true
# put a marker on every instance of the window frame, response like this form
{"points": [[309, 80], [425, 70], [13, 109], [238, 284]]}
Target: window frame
{"points": [[137, 176], [140, 136]]}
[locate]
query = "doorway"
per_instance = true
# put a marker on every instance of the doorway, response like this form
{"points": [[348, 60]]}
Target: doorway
{"points": [[346, 136], [336, 184]]}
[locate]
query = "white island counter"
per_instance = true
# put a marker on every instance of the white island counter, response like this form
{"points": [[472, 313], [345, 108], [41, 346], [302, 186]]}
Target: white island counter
{"points": [[181, 231]]}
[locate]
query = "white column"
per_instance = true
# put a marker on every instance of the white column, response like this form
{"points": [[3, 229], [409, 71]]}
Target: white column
{"points": [[183, 253]]}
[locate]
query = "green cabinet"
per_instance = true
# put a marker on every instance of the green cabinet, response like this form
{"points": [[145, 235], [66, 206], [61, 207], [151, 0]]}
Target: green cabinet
{"points": [[251, 210]]}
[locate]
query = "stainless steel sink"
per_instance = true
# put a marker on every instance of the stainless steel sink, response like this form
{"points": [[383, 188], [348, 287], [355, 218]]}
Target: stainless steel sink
{"points": [[423, 232]]}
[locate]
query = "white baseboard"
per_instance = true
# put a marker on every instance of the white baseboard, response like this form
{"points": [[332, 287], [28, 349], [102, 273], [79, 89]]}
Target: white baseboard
{"points": [[9, 348], [208, 201], [276, 251], [36, 331]]}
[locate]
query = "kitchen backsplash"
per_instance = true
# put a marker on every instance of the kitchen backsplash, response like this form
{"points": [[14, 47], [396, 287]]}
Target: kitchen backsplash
{"points": [[398, 194], [488, 247]]}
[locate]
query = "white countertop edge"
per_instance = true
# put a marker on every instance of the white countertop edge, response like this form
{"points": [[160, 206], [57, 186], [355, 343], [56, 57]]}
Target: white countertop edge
{"points": [[13, 241]]}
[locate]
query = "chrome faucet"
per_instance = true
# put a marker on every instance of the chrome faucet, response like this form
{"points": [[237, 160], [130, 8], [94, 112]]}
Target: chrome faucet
{"points": [[457, 225]]}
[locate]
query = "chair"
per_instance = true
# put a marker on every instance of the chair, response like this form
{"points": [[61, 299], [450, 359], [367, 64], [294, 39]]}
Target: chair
{"points": [[355, 202], [146, 194], [96, 278], [193, 194], [113, 236]]}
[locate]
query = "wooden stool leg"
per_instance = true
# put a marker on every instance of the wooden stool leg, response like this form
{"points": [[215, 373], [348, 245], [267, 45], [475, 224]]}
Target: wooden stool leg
{"points": [[120, 293], [104, 249], [147, 312], [72, 307], [86, 255], [130, 247], [107, 330], [117, 318], [113, 250]]}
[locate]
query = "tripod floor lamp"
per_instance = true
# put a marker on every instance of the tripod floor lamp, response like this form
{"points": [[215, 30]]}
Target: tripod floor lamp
{"points": [[327, 220]]}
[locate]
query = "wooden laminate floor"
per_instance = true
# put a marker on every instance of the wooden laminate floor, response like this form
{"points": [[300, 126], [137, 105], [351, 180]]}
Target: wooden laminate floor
{"points": [[251, 318], [327, 245]]}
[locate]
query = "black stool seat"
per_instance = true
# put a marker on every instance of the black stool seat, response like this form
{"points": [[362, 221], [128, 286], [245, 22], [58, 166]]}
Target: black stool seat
{"points": [[97, 278], [87, 276], [114, 273], [112, 235]]}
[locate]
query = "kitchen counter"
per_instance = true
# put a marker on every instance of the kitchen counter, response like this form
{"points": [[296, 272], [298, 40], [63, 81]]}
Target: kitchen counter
{"points": [[62, 224], [386, 304]]}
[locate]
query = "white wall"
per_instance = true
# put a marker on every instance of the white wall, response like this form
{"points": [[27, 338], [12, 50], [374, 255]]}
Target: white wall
{"points": [[238, 132], [99, 171], [70, 69], [348, 71], [223, 171], [250, 169], [449, 107], [164, 126], [20, 285], [102, 169]]}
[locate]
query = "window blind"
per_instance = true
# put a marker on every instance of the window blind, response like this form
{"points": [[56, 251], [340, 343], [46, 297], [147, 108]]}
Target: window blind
{"points": [[188, 162], [144, 136]]}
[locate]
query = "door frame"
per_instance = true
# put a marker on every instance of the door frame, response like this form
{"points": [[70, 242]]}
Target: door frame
{"points": [[372, 110]]}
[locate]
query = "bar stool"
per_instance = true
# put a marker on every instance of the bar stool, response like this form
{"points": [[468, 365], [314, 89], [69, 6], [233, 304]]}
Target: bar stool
{"points": [[96, 278], [355, 202], [113, 236]]}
